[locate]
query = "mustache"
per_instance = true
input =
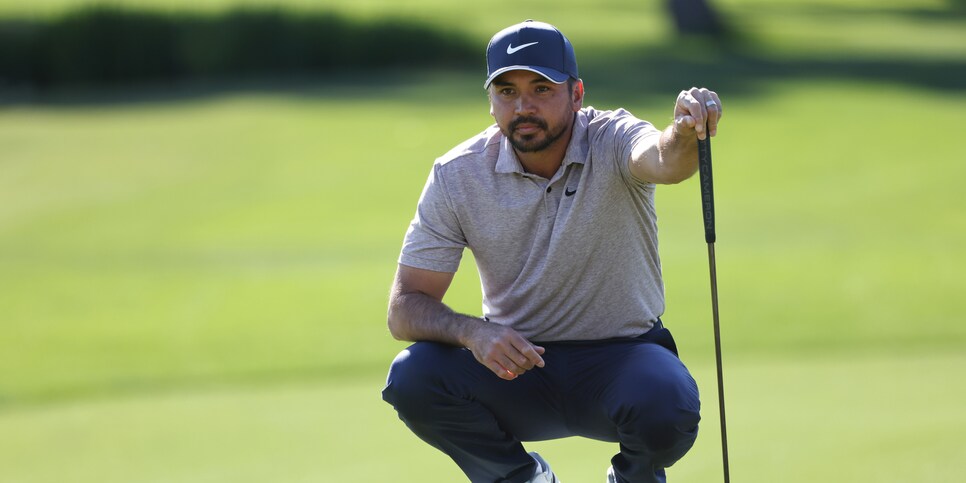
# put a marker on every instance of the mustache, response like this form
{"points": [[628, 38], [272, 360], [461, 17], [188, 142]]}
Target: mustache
{"points": [[528, 120]]}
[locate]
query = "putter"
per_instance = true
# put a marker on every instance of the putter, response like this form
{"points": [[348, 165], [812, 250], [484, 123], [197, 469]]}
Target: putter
{"points": [[707, 203]]}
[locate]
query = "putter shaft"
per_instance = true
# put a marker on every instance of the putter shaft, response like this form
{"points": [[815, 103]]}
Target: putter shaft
{"points": [[707, 205], [717, 355]]}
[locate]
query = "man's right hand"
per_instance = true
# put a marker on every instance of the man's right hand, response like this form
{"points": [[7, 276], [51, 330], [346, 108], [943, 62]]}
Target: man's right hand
{"points": [[503, 350], [417, 312]]}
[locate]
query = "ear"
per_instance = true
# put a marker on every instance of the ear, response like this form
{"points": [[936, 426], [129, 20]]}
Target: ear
{"points": [[578, 95]]}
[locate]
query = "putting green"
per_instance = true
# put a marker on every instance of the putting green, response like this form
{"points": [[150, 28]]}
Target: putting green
{"points": [[193, 285], [882, 418], [192, 298]]}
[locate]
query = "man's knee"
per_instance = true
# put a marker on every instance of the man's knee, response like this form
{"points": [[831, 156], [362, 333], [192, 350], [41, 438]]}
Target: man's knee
{"points": [[669, 440], [665, 413], [414, 380], [673, 435]]}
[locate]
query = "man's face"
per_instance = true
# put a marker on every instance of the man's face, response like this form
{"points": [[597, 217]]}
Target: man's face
{"points": [[532, 112]]}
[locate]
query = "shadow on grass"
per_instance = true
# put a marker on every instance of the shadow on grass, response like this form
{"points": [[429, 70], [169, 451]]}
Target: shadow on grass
{"points": [[647, 73], [639, 72], [954, 10], [658, 71]]}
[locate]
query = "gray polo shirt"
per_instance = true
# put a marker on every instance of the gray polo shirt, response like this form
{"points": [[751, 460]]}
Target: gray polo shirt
{"points": [[574, 257]]}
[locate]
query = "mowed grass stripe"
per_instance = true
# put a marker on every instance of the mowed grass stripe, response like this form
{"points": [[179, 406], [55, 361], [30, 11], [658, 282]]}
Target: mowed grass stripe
{"points": [[267, 238], [881, 418]]}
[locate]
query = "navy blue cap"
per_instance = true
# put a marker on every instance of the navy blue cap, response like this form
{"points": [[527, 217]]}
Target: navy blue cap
{"points": [[535, 46]]}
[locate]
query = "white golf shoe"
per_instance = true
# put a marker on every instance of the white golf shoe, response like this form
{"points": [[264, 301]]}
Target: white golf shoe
{"points": [[611, 477], [543, 473]]}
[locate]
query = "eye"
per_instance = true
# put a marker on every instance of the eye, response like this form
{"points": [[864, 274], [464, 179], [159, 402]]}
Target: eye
{"points": [[506, 91], [543, 88]]}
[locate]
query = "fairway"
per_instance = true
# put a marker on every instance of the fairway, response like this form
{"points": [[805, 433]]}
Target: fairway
{"points": [[193, 280]]}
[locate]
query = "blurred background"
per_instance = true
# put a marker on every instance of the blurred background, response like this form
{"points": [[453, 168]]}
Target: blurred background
{"points": [[202, 202]]}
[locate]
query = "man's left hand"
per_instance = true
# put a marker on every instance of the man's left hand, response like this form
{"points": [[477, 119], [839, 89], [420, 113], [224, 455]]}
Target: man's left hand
{"points": [[695, 107]]}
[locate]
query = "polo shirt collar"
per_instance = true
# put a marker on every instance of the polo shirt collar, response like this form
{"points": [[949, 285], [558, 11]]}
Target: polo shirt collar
{"points": [[507, 162]]}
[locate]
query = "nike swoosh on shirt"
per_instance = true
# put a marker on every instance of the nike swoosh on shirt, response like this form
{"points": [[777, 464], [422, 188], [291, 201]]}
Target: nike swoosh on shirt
{"points": [[510, 49]]}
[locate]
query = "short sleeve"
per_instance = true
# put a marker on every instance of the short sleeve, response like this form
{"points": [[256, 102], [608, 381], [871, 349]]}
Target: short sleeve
{"points": [[629, 131], [434, 240]]}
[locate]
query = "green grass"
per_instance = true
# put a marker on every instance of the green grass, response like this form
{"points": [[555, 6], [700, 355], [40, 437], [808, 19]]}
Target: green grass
{"points": [[794, 420], [193, 288], [231, 237], [184, 211], [189, 285]]}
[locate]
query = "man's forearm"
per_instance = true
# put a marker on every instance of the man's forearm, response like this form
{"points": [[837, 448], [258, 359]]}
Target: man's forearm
{"points": [[670, 159], [418, 317], [678, 154]]}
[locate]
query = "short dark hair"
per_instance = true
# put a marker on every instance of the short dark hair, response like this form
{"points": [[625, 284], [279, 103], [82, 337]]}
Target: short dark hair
{"points": [[571, 82]]}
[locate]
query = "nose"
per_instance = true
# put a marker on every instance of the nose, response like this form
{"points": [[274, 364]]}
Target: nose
{"points": [[524, 105]]}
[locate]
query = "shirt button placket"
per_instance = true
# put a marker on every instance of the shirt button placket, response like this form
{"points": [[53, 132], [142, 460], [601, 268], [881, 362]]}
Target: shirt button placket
{"points": [[550, 202]]}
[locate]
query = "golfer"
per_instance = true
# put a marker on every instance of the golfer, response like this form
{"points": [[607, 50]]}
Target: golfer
{"points": [[556, 201]]}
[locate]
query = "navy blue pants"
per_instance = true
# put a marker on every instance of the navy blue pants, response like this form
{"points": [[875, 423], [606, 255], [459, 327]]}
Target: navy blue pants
{"points": [[635, 392]]}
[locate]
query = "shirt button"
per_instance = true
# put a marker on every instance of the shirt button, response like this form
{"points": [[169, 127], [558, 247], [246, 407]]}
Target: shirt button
{"points": [[548, 189]]}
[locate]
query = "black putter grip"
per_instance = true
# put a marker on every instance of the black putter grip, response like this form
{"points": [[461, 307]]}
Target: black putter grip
{"points": [[707, 186]]}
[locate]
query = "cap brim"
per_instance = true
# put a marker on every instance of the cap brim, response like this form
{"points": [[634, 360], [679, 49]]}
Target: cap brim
{"points": [[552, 75]]}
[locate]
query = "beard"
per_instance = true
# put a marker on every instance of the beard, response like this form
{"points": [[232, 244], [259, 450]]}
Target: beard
{"points": [[531, 143]]}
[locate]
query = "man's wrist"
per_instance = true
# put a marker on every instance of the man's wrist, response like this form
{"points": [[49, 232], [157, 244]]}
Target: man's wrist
{"points": [[467, 329]]}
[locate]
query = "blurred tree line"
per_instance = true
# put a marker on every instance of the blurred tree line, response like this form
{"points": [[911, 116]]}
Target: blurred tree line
{"points": [[110, 45], [107, 45]]}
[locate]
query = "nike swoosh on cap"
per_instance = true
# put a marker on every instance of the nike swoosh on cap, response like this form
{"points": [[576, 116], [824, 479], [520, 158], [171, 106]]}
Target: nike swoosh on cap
{"points": [[510, 49]]}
